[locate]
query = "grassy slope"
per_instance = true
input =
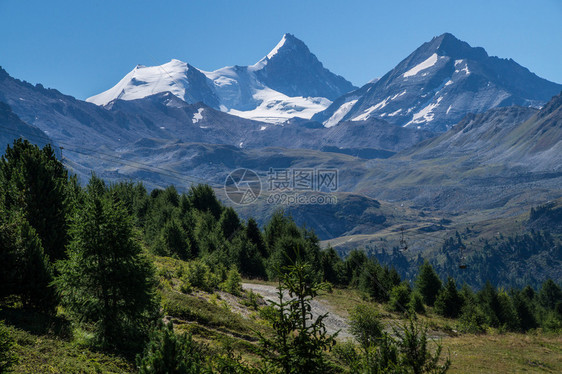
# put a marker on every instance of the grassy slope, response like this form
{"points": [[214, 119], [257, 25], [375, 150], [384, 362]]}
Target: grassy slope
{"points": [[222, 320], [484, 353]]}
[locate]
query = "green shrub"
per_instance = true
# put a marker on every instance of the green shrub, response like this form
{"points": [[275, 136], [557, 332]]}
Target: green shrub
{"points": [[233, 283], [416, 303], [167, 352], [400, 297], [7, 356], [365, 324], [472, 320]]}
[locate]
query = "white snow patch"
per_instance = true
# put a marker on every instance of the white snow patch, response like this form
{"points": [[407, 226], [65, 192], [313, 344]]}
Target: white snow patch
{"points": [[465, 68], [198, 116], [448, 109], [395, 113], [449, 82], [275, 107], [367, 113], [339, 114], [277, 47], [145, 81], [425, 115], [429, 62]]}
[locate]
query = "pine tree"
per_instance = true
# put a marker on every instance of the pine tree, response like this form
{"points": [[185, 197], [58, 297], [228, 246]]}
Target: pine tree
{"points": [[229, 223], [449, 302], [254, 235], [400, 297], [525, 313], [25, 270], [299, 340], [106, 283], [34, 181], [550, 294], [174, 241], [428, 283], [203, 198]]}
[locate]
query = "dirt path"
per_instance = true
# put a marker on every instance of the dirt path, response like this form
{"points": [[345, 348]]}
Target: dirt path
{"points": [[333, 322]]}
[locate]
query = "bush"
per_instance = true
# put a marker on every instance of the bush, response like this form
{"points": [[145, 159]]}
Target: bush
{"points": [[416, 303], [400, 298], [199, 275], [365, 324], [472, 320], [7, 357], [167, 352], [233, 283]]}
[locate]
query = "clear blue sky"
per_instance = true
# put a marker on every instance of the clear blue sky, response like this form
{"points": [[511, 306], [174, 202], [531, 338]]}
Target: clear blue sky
{"points": [[84, 47]]}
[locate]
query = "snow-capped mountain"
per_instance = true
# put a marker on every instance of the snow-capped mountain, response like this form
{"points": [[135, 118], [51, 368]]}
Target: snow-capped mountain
{"points": [[288, 82], [438, 84]]}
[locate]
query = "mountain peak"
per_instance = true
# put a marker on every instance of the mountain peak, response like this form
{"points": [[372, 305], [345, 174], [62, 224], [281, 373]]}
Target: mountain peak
{"points": [[447, 44], [288, 44]]}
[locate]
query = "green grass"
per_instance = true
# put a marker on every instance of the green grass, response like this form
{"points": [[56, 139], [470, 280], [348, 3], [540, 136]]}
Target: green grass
{"points": [[44, 344], [505, 353], [46, 354], [191, 308]]}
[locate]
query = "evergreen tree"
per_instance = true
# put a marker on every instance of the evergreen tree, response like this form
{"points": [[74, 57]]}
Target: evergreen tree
{"points": [[550, 294], [416, 303], [174, 241], [25, 270], [254, 235], [428, 283], [449, 302], [229, 223], [400, 297], [203, 198], [372, 282], [524, 310], [106, 283], [488, 300], [507, 314], [34, 181], [299, 340], [416, 355], [331, 265]]}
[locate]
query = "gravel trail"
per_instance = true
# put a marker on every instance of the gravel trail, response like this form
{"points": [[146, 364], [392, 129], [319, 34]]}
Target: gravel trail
{"points": [[333, 321]]}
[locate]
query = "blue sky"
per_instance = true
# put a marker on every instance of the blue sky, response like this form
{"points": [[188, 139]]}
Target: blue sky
{"points": [[84, 47]]}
